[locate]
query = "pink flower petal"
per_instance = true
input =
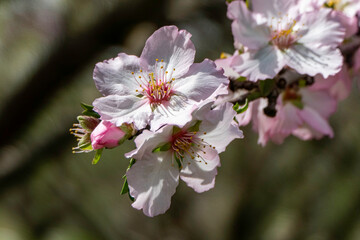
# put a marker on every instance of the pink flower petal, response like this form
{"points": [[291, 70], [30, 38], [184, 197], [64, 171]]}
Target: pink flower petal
{"points": [[320, 101], [316, 121]]}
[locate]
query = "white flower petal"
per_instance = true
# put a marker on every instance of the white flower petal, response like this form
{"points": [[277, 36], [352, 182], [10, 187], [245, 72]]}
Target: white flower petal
{"points": [[217, 127], [199, 175], [201, 81], [177, 111], [246, 30], [273, 8], [148, 141], [314, 60], [152, 182], [124, 109], [262, 64], [171, 45], [321, 29], [114, 76]]}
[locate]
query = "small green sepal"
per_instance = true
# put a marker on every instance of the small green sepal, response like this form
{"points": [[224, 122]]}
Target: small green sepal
{"points": [[298, 103], [97, 156], [163, 148], [240, 109], [195, 127], [266, 86], [176, 130], [125, 187], [88, 110]]}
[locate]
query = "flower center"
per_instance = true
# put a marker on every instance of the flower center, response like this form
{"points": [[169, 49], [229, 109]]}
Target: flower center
{"points": [[189, 144], [283, 34], [157, 85], [335, 4]]}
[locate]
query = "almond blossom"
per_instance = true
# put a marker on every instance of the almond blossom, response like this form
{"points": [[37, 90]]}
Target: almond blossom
{"points": [[278, 34], [190, 153], [302, 113], [159, 87], [345, 12]]}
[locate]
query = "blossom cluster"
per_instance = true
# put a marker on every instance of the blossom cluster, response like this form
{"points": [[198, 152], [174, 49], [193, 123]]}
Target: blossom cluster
{"points": [[288, 71], [296, 47]]}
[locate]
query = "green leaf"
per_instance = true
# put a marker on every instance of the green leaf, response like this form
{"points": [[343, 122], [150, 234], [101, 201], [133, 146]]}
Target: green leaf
{"points": [[86, 106], [88, 110], [241, 109], [248, 4], [241, 79], [195, 127], [91, 113], [254, 95], [97, 156], [266, 86], [125, 189], [132, 162], [302, 83], [163, 148], [298, 103]]}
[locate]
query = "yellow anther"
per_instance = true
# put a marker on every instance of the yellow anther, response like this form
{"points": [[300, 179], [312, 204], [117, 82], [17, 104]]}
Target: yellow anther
{"points": [[157, 60], [132, 73], [140, 70], [162, 60], [162, 67], [223, 55]]}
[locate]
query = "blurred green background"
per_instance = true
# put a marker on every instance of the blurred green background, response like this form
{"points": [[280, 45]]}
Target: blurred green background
{"points": [[48, 48]]}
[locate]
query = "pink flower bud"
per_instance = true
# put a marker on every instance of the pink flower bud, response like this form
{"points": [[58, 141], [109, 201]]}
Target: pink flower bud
{"points": [[107, 135]]}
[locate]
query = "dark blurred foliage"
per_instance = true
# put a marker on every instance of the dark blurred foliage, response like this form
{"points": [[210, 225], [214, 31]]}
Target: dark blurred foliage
{"points": [[48, 48]]}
